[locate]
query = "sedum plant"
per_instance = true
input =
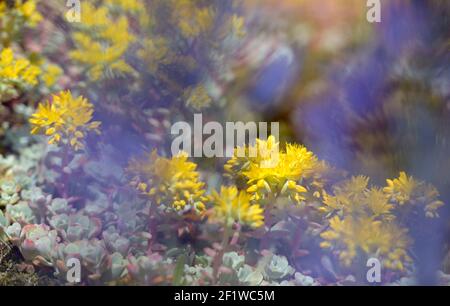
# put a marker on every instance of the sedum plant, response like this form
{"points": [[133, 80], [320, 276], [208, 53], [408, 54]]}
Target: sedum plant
{"points": [[65, 120]]}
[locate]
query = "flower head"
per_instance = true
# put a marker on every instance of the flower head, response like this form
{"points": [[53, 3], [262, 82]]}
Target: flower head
{"points": [[354, 237], [192, 20], [231, 205], [354, 197], [267, 171], [171, 182], [408, 192], [66, 119], [101, 42], [16, 72]]}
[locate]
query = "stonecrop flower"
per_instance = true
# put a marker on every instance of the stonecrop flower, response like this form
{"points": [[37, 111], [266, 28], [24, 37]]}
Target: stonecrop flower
{"points": [[354, 197], [232, 205], [405, 190], [25, 9], [16, 72], [197, 97], [15, 16], [271, 171], [51, 74], [365, 221], [353, 237], [172, 182], [65, 119], [192, 19], [101, 42]]}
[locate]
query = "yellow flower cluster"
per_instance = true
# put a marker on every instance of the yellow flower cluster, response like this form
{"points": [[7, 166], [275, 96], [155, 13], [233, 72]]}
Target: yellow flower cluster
{"points": [[14, 16], [363, 220], [25, 9], [238, 26], [16, 73], [65, 120], [51, 74], [231, 205], [101, 42], [406, 190], [155, 52], [192, 19], [269, 172], [197, 97], [374, 238], [171, 182], [354, 197]]}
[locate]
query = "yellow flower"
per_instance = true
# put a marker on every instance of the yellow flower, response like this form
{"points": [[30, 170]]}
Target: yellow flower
{"points": [[402, 188], [16, 74], [238, 25], [192, 20], [406, 190], [66, 119], [17, 70], [197, 97], [354, 237], [269, 172], [27, 8], [51, 74], [171, 182], [155, 52], [354, 197], [102, 42], [232, 206]]}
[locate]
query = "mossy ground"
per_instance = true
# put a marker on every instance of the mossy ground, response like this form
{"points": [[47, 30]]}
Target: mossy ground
{"points": [[13, 272]]}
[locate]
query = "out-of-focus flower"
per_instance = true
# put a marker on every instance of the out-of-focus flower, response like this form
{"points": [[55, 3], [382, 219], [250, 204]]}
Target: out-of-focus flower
{"points": [[406, 190], [356, 236], [15, 74], [17, 70], [367, 221], [238, 25], [354, 197], [192, 19], [51, 74], [102, 42], [66, 119], [28, 10], [197, 97], [171, 182], [155, 52], [232, 205]]}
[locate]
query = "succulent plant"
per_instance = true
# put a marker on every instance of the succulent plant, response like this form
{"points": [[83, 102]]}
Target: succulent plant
{"points": [[250, 276], [21, 213], [143, 269], [233, 260], [278, 268], [9, 193], [76, 227], [13, 231], [94, 258], [303, 280], [115, 242], [37, 242]]}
